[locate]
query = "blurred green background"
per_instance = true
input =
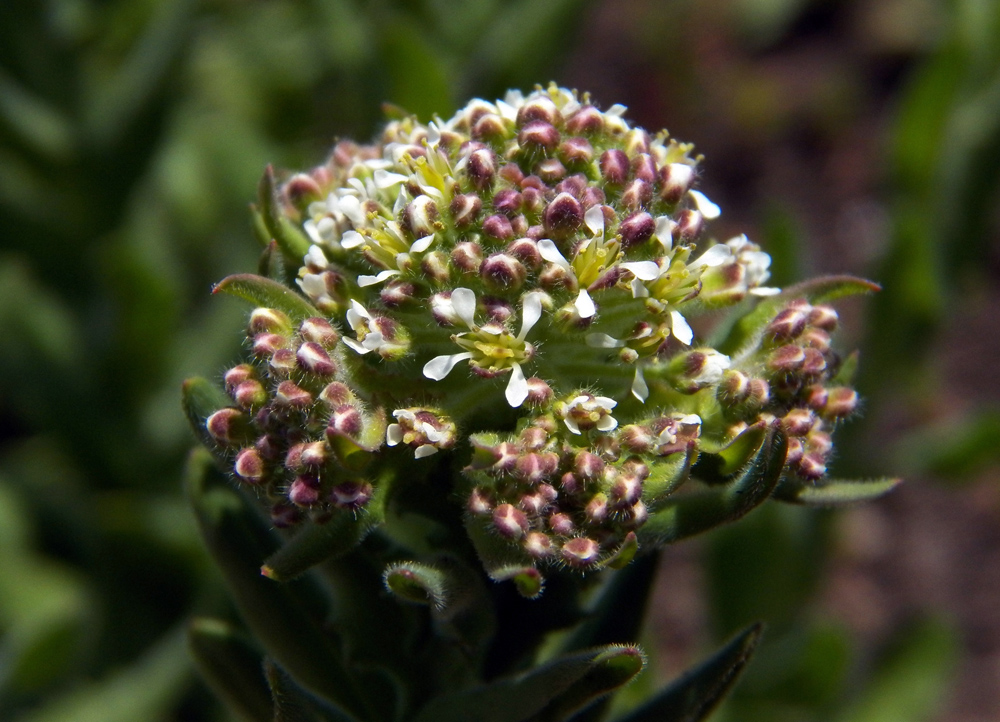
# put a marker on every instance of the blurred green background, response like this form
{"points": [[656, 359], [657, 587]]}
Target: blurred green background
{"points": [[845, 136]]}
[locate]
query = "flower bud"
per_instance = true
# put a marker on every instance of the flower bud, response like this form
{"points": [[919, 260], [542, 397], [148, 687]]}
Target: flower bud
{"points": [[841, 402], [814, 362], [284, 516], [482, 168], [266, 344], [637, 194], [538, 136], [798, 422], [498, 227], [420, 216], [397, 293], [283, 362], [250, 393], [637, 439], [336, 394], [480, 503], [580, 552], [675, 181], [576, 152], [734, 387], [490, 128], [501, 271], [434, 266], [788, 324], [689, 224], [614, 167], [810, 466], [597, 508], [824, 318], [351, 494], [465, 209], [786, 358], [228, 426], [588, 466], [304, 491], [346, 420], [291, 396], [538, 545], [563, 215], [540, 108], [237, 375], [313, 359], [319, 330], [269, 320], [539, 392], [301, 190], [636, 229], [249, 466], [510, 521], [551, 170], [587, 120]]}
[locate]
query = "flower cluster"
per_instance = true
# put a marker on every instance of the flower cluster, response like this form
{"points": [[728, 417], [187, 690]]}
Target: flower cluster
{"points": [[513, 286]]}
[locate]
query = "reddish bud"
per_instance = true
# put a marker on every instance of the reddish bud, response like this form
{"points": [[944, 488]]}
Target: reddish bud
{"points": [[540, 108], [538, 545], [551, 170], [637, 229], [314, 359], [269, 320], [480, 503], [675, 181], [283, 361], [303, 491], [503, 272], [482, 168], [576, 152], [228, 426], [563, 215], [290, 395], [786, 358], [539, 392], [841, 402], [510, 521], [319, 330], [498, 227], [587, 120], [250, 393], [580, 552], [689, 224], [614, 166], [489, 127], [237, 375], [249, 465], [351, 494], [265, 344], [346, 420], [823, 317], [561, 524], [538, 135], [465, 209]]}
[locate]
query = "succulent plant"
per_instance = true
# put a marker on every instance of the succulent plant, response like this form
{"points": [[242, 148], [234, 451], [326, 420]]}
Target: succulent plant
{"points": [[470, 364]]}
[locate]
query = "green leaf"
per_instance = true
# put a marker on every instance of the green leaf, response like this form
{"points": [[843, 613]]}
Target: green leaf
{"points": [[237, 540], [612, 669], [685, 515], [262, 291], [719, 465], [502, 560], [909, 683], [833, 492], [232, 667], [824, 289], [291, 703], [694, 695], [318, 543], [519, 698], [293, 242]]}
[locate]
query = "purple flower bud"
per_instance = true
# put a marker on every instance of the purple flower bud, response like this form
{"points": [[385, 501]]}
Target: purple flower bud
{"points": [[841, 402], [512, 173], [319, 330], [563, 215], [533, 438], [798, 422], [510, 521], [501, 271], [397, 293], [301, 190], [526, 251], [588, 466], [237, 375], [420, 216], [313, 359], [538, 545], [283, 362], [814, 362], [250, 393], [576, 152], [539, 392], [587, 120], [269, 320], [532, 504], [592, 196], [434, 266], [819, 442], [760, 393], [467, 257], [689, 224], [265, 344], [614, 167], [347, 421], [637, 439], [228, 426], [561, 524], [675, 181], [644, 168], [637, 229], [580, 552], [823, 317], [815, 338], [508, 202], [788, 324], [538, 135], [626, 490], [292, 396], [304, 491], [490, 127], [574, 185], [597, 508], [465, 209], [637, 194], [249, 466], [498, 227], [551, 170], [480, 502], [786, 358], [351, 494], [636, 142], [734, 387], [540, 108], [336, 394], [482, 168], [811, 467]]}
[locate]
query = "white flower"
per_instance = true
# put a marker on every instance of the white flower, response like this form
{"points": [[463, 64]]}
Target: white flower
{"points": [[361, 321], [488, 347], [713, 366], [709, 210], [425, 438], [587, 411]]}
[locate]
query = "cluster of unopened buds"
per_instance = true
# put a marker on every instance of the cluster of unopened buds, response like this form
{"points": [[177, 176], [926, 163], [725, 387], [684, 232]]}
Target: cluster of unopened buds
{"points": [[510, 289]]}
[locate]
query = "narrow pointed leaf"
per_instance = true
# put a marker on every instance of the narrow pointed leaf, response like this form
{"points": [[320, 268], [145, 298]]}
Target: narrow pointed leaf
{"points": [[232, 667], [719, 465], [271, 263], [519, 698], [291, 703], [833, 492], [683, 516], [692, 697], [317, 543], [237, 541], [262, 291], [292, 241], [666, 475], [611, 670]]}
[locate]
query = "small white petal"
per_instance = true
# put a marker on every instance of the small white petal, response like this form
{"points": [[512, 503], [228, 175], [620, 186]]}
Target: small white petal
{"points": [[373, 341], [404, 414], [680, 329], [607, 423], [665, 231], [507, 111], [594, 218], [440, 366], [433, 134], [638, 290], [351, 343], [765, 291], [312, 231], [714, 256], [579, 400], [605, 402], [351, 207], [464, 302], [315, 257], [517, 387], [602, 340], [402, 200], [643, 270], [431, 191], [690, 420], [359, 312], [708, 209], [639, 388], [585, 304], [550, 253], [393, 434], [378, 164], [531, 311], [352, 239], [572, 426], [617, 110], [364, 281], [313, 285], [384, 179], [424, 451], [422, 244], [431, 433]]}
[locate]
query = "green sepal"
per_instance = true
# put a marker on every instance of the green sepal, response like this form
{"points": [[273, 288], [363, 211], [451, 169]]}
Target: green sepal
{"points": [[200, 399], [271, 264], [818, 290], [833, 492], [317, 543], [416, 582], [232, 667], [291, 703], [612, 669], [237, 540], [265, 292], [528, 580], [685, 515], [693, 696], [666, 475], [293, 242], [527, 696], [624, 554], [719, 465]]}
